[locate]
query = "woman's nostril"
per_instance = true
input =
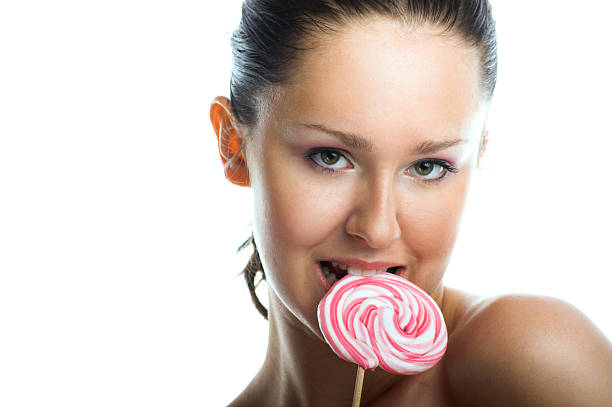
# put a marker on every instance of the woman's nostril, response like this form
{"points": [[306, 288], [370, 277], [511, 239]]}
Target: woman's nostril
{"points": [[372, 229]]}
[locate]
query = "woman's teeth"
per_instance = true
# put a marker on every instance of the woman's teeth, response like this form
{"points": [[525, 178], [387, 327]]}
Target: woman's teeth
{"points": [[354, 271], [332, 277], [357, 272]]}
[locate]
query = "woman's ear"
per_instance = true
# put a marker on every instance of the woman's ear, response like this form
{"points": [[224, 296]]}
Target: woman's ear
{"points": [[230, 142], [484, 139]]}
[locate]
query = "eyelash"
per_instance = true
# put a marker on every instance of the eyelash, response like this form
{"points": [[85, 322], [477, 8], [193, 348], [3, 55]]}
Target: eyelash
{"points": [[448, 167], [312, 153]]}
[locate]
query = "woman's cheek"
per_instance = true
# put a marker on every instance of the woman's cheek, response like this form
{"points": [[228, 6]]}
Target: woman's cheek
{"points": [[429, 228], [312, 210]]}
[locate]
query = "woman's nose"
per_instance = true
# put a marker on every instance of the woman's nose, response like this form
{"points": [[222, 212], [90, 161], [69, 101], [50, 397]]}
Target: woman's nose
{"points": [[373, 218]]}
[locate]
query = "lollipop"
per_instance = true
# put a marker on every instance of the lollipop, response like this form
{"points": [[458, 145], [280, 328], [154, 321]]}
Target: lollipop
{"points": [[383, 320]]}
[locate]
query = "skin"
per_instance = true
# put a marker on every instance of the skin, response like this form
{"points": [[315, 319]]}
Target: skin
{"points": [[398, 88]]}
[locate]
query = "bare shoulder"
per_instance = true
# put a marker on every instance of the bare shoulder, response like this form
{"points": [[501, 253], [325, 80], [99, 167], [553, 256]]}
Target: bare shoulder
{"points": [[528, 350]]}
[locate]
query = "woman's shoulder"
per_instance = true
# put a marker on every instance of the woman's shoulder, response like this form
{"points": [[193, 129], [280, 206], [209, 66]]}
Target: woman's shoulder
{"points": [[527, 350]]}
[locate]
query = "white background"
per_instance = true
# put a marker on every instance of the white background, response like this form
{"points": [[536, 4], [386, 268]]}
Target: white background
{"points": [[118, 275]]}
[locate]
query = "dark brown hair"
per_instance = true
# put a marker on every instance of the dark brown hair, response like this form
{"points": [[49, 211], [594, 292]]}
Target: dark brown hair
{"points": [[272, 33], [250, 271]]}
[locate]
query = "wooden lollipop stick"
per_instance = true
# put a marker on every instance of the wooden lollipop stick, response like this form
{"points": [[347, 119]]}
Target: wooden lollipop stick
{"points": [[358, 386]]}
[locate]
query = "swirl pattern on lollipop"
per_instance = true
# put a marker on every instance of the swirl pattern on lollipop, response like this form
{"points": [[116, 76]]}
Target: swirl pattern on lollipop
{"points": [[383, 320]]}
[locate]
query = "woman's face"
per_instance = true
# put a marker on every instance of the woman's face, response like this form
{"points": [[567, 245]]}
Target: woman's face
{"points": [[365, 157]]}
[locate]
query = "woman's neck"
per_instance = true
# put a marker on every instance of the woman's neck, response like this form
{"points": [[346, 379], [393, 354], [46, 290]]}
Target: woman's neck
{"points": [[302, 370]]}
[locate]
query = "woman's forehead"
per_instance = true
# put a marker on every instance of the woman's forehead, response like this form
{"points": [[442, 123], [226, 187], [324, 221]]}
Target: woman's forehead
{"points": [[380, 77]]}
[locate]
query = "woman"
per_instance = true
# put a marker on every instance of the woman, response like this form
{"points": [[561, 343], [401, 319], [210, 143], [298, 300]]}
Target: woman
{"points": [[358, 126]]}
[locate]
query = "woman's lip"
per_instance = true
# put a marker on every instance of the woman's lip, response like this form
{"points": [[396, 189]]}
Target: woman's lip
{"points": [[365, 265], [326, 285]]}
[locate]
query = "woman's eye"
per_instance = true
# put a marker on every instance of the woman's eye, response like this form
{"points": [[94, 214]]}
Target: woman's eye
{"points": [[329, 159], [430, 170]]}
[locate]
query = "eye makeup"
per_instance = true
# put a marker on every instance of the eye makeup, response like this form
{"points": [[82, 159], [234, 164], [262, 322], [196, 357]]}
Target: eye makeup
{"points": [[328, 155], [445, 168], [318, 156]]}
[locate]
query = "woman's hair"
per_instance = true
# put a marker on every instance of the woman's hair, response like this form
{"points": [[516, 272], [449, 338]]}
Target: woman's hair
{"points": [[272, 33], [250, 271]]}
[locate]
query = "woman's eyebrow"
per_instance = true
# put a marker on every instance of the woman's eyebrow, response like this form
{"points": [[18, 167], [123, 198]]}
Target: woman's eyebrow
{"points": [[358, 142], [351, 140], [431, 147]]}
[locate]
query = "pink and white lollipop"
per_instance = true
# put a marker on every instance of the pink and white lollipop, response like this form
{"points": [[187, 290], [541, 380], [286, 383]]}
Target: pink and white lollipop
{"points": [[383, 320]]}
